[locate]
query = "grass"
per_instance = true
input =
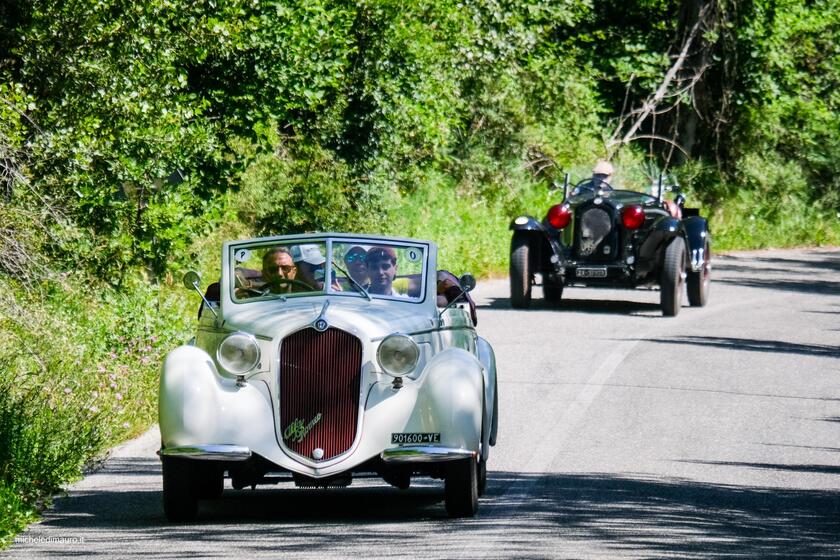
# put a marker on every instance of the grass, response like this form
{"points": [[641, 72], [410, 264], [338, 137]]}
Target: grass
{"points": [[80, 372]]}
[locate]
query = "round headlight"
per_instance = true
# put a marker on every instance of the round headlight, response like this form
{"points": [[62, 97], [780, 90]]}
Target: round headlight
{"points": [[398, 354], [238, 353]]}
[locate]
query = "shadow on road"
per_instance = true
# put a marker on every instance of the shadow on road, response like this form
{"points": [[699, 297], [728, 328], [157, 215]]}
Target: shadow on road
{"points": [[522, 515], [754, 345], [792, 275], [594, 306], [805, 285]]}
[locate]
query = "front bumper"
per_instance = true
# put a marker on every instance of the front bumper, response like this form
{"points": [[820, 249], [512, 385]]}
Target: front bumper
{"points": [[425, 454], [208, 452]]}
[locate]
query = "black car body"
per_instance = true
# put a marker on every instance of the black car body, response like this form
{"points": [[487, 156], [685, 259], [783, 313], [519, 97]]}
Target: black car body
{"points": [[604, 237]]}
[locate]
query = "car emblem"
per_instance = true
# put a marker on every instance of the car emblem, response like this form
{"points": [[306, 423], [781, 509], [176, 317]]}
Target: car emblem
{"points": [[297, 430], [317, 453], [320, 324]]}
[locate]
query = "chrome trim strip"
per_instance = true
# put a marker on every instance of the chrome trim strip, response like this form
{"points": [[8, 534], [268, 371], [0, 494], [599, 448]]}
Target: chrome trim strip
{"points": [[210, 452], [425, 454]]}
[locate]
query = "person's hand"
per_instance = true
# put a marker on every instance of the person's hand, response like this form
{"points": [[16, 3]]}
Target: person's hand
{"points": [[673, 209]]}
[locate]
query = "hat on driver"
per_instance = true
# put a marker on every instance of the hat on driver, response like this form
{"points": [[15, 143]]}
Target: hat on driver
{"points": [[603, 168]]}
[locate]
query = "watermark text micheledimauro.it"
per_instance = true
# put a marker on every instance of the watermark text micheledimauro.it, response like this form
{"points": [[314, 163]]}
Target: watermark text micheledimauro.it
{"points": [[59, 540]]}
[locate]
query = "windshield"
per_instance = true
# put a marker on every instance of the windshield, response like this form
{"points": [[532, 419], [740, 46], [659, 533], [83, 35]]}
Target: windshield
{"points": [[368, 268]]}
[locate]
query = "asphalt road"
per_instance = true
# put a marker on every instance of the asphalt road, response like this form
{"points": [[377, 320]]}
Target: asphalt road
{"points": [[623, 434]]}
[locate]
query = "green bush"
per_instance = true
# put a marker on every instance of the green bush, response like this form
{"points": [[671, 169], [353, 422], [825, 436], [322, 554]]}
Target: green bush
{"points": [[80, 365]]}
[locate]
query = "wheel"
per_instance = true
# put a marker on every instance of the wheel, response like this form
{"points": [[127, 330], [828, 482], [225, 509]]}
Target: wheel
{"points": [[520, 270], [180, 498], [552, 291], [671, 281], [461, 488], [700, 282], [482, 476], [209, 481]]}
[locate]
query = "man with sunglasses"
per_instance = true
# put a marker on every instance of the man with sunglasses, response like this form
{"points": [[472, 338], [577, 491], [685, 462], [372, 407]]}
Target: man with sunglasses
{"points": [[356, 261], [277, 268]]}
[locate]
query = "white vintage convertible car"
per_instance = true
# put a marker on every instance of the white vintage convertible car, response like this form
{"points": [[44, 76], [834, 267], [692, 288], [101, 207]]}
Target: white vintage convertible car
{"points": [[323, 356]]}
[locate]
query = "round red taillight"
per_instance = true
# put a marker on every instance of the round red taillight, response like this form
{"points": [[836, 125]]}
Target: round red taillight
{"points": [[559, 216], [632, 217]]}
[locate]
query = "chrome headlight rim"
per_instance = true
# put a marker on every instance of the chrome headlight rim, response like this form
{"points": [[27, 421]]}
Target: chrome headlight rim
{"points": [[247, 365], [387, 345]]}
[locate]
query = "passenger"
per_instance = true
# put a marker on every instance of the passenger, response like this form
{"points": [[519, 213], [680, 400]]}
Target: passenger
{"points": [[277, 267], [356, 262], [310, 268], [449, 290], [382, 268]]}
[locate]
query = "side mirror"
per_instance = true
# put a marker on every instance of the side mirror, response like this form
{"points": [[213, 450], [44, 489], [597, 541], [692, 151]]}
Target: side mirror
{"points": [[192, 280], [467, 282]]}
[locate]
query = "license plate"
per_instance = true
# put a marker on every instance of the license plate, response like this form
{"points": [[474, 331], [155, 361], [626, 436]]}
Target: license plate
{"points": [[591, 272], [415, 438]]}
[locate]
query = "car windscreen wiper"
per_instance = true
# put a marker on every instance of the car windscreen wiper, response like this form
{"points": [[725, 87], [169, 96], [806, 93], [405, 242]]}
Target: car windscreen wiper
{"points": [[353, 281]]}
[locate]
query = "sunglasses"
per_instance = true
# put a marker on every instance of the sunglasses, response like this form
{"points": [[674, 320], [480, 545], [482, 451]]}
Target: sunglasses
{"points": [[285, 268], [354, 257]]}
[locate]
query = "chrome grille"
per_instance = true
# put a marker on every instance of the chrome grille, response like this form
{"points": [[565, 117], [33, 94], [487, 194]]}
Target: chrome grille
{"points": [[595, 225], [320, 376]]}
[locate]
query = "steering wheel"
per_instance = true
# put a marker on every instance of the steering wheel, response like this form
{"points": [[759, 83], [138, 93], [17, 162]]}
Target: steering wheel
{"points": [[266, 289]]}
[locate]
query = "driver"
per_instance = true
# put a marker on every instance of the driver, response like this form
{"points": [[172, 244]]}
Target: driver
{"points": [[602, 173], [601, 177], [277, 266]]}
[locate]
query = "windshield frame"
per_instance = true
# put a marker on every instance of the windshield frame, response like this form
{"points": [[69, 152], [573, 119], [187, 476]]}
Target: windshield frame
{"points": [[329, 268]]}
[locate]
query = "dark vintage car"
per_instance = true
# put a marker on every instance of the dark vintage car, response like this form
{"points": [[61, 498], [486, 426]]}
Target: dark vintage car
{"points": [[604, 237]]}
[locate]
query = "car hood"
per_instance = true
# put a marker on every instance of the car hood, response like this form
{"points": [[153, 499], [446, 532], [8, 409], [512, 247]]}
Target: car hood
{"points": [[276, 319]]}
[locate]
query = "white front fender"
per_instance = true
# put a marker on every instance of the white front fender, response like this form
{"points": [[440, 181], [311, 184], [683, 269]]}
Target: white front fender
{"points": [[198, 406], [453, 394]]}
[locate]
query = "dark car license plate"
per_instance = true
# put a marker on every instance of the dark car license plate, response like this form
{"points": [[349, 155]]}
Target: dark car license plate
{"points": [[591, 272], [416, 438]]}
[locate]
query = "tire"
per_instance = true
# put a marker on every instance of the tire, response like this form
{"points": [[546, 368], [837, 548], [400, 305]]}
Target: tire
{"points": [[209, 481], [700, 282], [671, 280], [482, 476], [552, 291], [461, 488], [520, 270], [180, 498]]}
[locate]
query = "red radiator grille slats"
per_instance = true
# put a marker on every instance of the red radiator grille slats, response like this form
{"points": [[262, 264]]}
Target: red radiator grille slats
{"points": [[320, 374]]}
